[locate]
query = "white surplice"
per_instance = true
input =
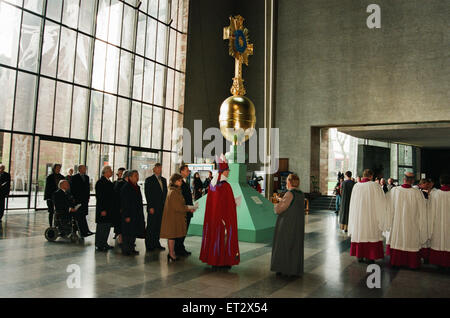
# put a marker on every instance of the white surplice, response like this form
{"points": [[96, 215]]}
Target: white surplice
{"points": [[439, 220], [407, 219], [367, 213]]}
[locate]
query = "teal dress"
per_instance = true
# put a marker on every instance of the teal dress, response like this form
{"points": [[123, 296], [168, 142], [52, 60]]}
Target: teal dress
{"points": [[288, 239]]}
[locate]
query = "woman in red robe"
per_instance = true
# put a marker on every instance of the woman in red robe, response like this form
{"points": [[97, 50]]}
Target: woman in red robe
{"points": [[220, 247]]}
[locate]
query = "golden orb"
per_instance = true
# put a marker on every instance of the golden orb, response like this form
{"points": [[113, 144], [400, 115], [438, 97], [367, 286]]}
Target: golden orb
{"points": [[237, 119]]}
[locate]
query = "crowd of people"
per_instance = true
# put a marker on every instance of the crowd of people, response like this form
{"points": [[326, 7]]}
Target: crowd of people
{"points": [[119, 205], [414, 219]]}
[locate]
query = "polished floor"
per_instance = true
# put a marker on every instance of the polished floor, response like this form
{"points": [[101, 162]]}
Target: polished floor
{"points": [[32, 267]]}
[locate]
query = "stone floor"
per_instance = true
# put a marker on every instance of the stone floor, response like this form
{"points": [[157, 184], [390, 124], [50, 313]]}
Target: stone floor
{"points": [[32, 267]]}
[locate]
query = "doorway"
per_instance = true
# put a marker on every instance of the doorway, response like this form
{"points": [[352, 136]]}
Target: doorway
{"points": [[49, 153], [143, 162]]}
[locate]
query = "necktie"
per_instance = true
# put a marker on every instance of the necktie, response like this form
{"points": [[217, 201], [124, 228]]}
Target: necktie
{"points": [[160, 182]]}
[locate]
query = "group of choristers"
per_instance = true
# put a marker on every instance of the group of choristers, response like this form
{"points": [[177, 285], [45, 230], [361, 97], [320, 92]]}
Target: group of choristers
{"points": [[415, 227]]}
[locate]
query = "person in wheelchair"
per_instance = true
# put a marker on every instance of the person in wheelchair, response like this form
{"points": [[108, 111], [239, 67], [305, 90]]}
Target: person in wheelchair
{"points": [[64, 209]]}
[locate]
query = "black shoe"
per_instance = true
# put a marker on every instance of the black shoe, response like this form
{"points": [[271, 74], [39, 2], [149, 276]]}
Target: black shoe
{"points": [[87, 234], [360, 260], [187, 253], [109, 247], [135, 252], [161, 248], [126, 253], [171, 259], [101, 249]]}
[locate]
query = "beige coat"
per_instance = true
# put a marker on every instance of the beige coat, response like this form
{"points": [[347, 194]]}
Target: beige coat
{"points": [[173, 223]]}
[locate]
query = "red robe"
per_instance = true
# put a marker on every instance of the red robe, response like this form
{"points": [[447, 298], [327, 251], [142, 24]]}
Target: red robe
{"points": [[218, 248]]}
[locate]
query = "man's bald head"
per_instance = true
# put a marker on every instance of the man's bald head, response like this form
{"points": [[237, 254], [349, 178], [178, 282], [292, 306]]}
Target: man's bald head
{"points": [[2, 168], [409, 178]]}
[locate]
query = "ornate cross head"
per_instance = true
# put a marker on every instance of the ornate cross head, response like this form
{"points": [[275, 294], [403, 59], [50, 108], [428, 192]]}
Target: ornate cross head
{"points": [[240, 48]]}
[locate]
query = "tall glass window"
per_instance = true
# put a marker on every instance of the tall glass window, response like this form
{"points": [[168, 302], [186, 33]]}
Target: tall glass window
{"points": [[104, 75]]}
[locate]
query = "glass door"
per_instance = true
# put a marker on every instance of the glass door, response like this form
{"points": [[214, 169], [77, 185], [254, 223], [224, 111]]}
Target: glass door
{"points": [[143, 162], [19, 168], [49, 153]]}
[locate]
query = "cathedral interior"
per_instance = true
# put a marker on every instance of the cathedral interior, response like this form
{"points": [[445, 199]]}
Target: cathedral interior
{"points": [[344, 85]]}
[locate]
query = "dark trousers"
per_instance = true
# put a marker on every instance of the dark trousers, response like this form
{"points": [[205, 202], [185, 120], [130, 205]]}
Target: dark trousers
{"points": [[117, 229], [128, 243], [102, 234], [153, 230], [51, 211], [179, 242], [2, 206], [80, 216]]}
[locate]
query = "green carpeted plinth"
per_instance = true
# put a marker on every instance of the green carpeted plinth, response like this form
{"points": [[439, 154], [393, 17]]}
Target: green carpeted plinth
{"points": [[255, 216]]}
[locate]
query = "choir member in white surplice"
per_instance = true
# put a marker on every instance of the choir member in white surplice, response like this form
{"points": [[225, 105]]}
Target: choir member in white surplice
{"points": [[439, 224], [407, 223], [427, 190], [367, 216]]}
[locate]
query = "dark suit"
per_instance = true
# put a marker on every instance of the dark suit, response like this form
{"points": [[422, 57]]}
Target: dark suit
{"points": [[63, 202], [104, 193], [51, 185], [187, 195], [133, 208], [5, 187], [81, 192], [156, 198], [118, 185], [206, 184]]}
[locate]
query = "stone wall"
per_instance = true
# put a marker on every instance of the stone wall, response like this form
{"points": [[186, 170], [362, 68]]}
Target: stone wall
{"points": [[333, 71]]}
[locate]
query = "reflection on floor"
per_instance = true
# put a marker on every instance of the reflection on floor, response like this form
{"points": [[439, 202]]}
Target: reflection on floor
{"points": [[32, 267]]}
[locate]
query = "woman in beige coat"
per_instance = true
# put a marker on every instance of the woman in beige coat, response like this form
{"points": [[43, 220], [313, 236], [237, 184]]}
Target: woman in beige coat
{"points": [[173, 223]]}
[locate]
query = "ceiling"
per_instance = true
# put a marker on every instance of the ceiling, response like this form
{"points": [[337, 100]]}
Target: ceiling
{"points": [[425, 135]]}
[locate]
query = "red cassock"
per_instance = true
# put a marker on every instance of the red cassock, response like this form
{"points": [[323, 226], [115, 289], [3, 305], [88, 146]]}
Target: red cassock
{"points": [[220, 245]]}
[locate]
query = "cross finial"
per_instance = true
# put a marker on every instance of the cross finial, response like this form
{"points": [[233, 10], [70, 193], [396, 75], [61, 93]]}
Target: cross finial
{"points": [[239, 48]]}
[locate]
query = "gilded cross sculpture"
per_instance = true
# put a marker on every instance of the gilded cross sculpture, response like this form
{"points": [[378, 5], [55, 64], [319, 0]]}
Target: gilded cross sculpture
{"points": [[240, 48]]}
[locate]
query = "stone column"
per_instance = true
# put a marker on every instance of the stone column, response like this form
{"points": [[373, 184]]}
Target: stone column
{"points": [[315, 160], [324, 134]]}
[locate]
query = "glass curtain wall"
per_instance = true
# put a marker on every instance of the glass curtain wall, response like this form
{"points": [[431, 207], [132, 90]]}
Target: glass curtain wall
{"points": [[343, 154], [105, 74]]}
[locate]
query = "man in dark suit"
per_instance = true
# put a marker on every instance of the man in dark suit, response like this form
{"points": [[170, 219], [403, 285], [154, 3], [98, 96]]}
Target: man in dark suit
{"points": [[133, 223], [122, 178], [207, 182], [104, 210], [81, 192], [180, 249], [51, 185], [64, 203], [5, 187], [155, 193]]}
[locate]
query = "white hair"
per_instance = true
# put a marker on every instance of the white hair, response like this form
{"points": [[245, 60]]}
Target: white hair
{"points": [[106, 168], [60, 183]]}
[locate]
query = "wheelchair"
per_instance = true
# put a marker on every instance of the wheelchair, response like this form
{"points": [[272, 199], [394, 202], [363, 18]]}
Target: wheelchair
{"points": [[66, 227]]}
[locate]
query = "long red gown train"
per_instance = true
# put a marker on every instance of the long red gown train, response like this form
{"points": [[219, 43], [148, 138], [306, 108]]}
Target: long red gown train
{"points": [[220, 245]]}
